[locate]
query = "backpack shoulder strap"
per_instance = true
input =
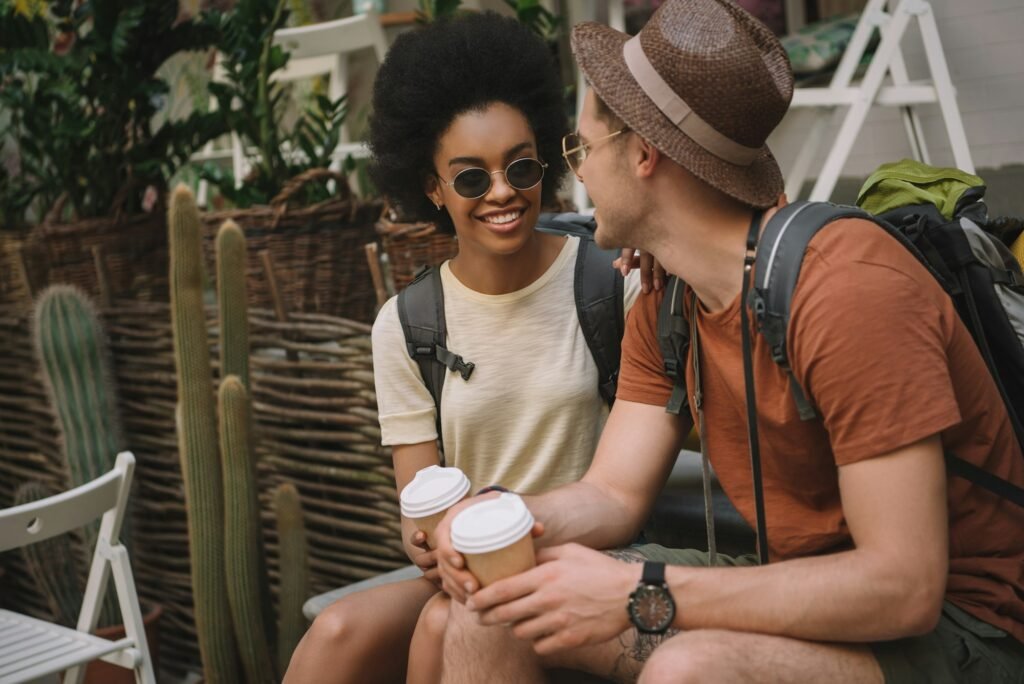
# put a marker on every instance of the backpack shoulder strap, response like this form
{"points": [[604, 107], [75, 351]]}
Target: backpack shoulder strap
{"points": [[598, 290], [674, 339], [421, 314], [780, 254]]}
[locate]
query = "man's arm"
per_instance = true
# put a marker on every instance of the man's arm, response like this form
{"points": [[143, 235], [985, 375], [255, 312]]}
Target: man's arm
{"points": [[891, 585], [609, 505]]}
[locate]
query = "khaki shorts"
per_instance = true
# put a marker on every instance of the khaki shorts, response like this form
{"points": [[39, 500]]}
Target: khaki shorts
{"points": [[962, 648]]}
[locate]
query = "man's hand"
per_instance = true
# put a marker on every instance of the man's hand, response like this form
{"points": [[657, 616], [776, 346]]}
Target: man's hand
{"points": [[456, 580], [424, 558], [574, 597], [651, 272]]}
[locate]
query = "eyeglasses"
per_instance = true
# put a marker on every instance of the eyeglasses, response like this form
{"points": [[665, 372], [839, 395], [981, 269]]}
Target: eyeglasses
{"points": [[472, 183], [576, 151]]}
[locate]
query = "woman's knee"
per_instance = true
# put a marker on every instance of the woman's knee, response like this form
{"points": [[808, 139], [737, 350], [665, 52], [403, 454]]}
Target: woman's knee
{"points": [[337, 623]]}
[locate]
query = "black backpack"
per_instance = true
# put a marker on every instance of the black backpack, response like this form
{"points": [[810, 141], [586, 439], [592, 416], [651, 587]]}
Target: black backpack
{"points": [[598, 294], [973, 265]]}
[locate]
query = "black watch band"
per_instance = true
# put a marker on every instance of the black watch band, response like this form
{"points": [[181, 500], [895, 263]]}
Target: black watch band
{"points": [[653, 573], [492, 488]]}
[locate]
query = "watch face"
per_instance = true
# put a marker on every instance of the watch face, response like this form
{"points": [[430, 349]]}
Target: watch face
{"points": [[652, 608]]}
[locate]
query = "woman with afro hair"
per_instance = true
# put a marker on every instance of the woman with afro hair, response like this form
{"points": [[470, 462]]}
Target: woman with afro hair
{"points": [[468, 117]]}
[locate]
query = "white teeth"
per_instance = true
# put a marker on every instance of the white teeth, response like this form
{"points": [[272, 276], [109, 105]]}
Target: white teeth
{"points": [[499, 219]]}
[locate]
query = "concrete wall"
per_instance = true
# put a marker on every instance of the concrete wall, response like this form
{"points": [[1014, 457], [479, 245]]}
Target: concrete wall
{"points": [[984, 45]]}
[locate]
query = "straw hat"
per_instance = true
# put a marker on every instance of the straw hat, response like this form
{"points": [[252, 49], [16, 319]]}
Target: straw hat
{"points": [[705, 83]]}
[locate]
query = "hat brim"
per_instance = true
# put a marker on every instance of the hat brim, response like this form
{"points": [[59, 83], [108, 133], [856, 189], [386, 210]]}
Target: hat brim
{"points": [[598, 50]]}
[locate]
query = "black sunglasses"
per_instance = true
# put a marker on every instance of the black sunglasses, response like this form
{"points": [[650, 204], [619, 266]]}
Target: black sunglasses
{"points": [[474, 182]]}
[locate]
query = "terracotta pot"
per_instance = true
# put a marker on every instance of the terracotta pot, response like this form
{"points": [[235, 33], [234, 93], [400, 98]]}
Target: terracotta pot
{"points": [[99, 672]]}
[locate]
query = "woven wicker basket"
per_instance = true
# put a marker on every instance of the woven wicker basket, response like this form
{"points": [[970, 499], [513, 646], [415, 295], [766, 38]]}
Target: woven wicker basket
{"points": [[412, 245], [105, 257], [315, 253]]}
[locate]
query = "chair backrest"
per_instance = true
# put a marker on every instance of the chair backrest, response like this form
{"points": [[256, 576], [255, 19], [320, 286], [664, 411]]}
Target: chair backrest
{"points": [[39, 520], [322, 48], [316, 50]]}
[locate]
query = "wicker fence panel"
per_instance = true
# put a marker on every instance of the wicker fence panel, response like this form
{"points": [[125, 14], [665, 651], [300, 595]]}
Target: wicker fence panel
{"points": [[315, 426]]}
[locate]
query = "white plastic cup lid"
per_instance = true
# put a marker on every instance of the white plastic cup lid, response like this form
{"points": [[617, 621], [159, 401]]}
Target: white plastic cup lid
{"points": [[491, 525], [433, 490]]}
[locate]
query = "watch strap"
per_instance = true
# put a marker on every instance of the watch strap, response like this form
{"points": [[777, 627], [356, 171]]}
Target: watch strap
{"points": [[653, 573]]}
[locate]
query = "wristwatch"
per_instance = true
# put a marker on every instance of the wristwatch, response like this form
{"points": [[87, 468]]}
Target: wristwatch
{"points": [[651, 607]]}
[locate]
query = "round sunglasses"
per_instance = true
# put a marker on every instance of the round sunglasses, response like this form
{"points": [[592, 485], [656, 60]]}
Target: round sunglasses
{"points": [[474, 182]]}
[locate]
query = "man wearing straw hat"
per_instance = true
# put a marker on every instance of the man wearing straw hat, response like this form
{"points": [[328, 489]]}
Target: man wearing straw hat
{"points": [[881, 568]]}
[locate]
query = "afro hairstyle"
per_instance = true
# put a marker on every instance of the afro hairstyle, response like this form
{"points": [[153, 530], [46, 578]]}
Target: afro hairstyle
{"points": [[433, 74]]}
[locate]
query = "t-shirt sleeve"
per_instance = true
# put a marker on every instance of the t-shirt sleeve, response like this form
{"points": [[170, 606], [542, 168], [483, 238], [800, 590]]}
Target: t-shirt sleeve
{"points": [[868, 342], [405, 408], [642, 376]]}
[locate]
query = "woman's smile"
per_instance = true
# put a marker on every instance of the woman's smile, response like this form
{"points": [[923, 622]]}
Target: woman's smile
{"points": [[502, 221]]}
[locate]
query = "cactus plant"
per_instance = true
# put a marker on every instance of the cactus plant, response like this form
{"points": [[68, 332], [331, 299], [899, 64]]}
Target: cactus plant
{"points": [[53, 563], [243, 550], [197, 437], [72, 350], [291, 540], [231, 299]]}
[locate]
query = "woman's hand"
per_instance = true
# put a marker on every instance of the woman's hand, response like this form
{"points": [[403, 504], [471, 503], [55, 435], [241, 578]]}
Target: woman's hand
{"points": [[652, 275], [424, 557]]}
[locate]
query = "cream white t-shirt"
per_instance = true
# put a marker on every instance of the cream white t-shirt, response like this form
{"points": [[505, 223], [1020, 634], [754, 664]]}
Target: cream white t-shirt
{"points": [[530, 414]]}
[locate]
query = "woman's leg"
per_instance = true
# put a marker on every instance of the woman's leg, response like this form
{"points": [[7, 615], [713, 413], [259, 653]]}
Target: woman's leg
{"points": [[426, 652], [362, 638]]}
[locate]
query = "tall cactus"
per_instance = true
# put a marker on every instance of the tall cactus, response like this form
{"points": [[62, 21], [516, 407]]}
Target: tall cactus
{"points": [[72, 349], [53, 564], [243, 550], [291, 540], [197, 439], [231, 300]]}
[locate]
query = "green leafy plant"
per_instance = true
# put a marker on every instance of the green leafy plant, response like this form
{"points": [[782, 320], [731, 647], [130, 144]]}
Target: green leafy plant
{"points": [[253, 106], [80, 88], [537, 17], [432, 10]]}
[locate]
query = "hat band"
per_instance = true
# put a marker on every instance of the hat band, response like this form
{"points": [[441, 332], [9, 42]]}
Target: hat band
{"points": [[680, 113]]}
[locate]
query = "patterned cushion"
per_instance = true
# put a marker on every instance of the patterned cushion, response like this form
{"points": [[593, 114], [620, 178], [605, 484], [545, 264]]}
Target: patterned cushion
{"points": [[819, 46]]}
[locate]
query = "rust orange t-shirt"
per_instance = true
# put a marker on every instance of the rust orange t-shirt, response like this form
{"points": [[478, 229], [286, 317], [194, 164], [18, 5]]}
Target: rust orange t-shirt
{"points": [[884, 357]]}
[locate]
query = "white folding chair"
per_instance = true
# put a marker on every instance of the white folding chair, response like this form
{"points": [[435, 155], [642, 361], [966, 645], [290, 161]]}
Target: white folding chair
{"points": [[587, 10], [870, 92], [32, 648], [316, 50]]}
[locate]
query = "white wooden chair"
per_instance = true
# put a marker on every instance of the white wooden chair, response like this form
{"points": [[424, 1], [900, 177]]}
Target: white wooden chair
{"points": [[316, 50], [32, 648], [892, 18], [579, 11]]}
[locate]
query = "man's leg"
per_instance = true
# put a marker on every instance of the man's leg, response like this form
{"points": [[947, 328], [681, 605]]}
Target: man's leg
{"points": [[722, 656], [362, 638], [474, 653]]}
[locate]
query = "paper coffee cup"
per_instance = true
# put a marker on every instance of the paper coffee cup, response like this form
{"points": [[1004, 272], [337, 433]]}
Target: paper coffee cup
{"points": [[494, 536], [430, 494]]}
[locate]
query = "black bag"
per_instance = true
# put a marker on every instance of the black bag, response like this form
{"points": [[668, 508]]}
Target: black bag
{"points": [[598, 294]]}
